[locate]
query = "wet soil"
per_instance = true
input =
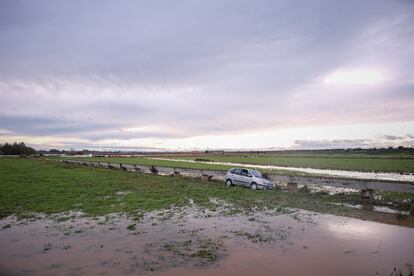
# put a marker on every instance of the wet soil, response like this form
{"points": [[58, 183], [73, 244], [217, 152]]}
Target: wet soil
{"points": [[189, 241]]}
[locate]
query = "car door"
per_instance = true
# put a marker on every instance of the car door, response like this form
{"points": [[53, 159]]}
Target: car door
{"points": [[245, 178], [236, 177]]}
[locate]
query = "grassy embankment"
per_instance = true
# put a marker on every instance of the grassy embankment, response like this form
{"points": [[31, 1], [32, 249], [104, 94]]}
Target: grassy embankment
{"points": [[358, 162], [168, 163], [376, 163], [28, 186]]}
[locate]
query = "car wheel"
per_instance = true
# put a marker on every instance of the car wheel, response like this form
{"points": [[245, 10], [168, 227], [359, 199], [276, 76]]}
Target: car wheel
{"points": [[253, 186], [229, 183]]}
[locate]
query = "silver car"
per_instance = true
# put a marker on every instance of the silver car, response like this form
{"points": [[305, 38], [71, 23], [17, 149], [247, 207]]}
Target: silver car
{"points": [[248, 178]]}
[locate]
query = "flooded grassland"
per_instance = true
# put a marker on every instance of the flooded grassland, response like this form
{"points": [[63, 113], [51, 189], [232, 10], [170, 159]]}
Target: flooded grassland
{"points": [[189, 240], [57, 219]]}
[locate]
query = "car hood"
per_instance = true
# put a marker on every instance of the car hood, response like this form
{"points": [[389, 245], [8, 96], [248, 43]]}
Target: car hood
{"points": [[263, 180]]}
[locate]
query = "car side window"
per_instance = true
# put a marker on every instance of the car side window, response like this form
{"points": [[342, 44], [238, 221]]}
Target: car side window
{"points": [[236, 171], [245, 173]]}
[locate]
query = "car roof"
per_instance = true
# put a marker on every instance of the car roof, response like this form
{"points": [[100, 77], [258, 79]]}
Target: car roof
{"points": [[243, 169]]}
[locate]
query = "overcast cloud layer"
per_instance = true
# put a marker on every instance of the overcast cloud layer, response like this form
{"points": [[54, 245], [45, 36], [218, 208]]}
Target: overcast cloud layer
{"points": [[160, 74]]}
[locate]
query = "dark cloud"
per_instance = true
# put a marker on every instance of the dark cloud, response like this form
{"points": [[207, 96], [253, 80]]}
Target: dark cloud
{"points": [[164, 41], [392, 137], [50, 126]]}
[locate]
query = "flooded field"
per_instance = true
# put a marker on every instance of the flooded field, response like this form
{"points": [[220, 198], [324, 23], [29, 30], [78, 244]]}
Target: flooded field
{"points": [[408, 177], [185, 241]]}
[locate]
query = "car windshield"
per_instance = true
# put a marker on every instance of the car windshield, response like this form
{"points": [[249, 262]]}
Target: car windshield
{"points": [[255, 173]]}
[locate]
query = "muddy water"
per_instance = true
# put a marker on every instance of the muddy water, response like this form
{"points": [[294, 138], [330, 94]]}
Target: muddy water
{"points": [[191, 241], [408, 177]]}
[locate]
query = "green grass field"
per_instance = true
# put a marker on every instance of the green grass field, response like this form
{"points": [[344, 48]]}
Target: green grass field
{"points": [[37, 185], [357, 162]]}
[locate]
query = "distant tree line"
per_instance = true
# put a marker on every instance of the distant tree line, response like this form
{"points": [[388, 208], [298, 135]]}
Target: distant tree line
{"points": [[67, 152], [373, 151], [16, 149], [22, 149]]}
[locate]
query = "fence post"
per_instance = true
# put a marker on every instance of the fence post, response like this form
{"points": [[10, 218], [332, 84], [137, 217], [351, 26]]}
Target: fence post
{"points": [[292, 186], [154, 170], [206, 177], [367, 194]]}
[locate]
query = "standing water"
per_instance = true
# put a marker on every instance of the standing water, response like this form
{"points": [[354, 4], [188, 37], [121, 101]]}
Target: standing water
{"points": [[195, 242]]}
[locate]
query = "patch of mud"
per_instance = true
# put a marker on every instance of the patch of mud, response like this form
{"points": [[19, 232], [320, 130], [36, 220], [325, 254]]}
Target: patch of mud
{"points": [[195, 251], [191, 240]]}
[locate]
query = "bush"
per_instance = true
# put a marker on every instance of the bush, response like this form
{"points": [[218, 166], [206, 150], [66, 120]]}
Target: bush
{"points": [[16, 149]]}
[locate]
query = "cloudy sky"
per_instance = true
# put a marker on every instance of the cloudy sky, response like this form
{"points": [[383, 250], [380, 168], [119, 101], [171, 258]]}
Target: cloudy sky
{"points": [[207, 74]]}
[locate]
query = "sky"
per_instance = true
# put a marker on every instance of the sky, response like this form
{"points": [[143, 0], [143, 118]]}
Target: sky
{"points": [[216, 74]]}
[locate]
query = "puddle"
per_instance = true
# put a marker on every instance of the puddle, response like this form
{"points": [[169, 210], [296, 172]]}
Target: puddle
{"points": [[336, 173], [191, 241]]}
